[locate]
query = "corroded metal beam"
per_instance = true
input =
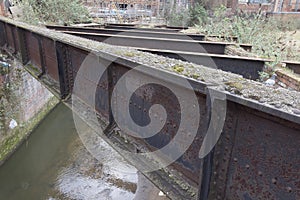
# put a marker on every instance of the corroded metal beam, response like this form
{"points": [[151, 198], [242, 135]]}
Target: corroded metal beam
{"points": [[257, 154]]}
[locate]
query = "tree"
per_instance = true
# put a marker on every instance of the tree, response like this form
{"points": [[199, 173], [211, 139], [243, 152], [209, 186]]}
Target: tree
{"points": [[54, 11]]}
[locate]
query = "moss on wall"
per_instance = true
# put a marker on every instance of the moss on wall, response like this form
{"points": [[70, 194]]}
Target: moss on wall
{"points": [[20, 133]]}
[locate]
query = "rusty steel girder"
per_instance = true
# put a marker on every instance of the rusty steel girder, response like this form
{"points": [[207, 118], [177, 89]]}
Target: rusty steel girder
{"points": [[256, 157], [142, 29], [293, 65], [137, 33]]}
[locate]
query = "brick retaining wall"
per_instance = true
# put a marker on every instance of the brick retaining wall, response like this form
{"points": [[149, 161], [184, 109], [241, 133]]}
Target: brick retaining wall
{"points": [[33, 96], [288, 80]]}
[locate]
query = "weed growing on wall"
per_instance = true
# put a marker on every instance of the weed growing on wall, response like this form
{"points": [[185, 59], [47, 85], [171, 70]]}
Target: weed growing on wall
{"points": [[9, 103]]}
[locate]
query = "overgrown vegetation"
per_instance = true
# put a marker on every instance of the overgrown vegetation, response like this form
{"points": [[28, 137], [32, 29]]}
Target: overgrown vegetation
{"points": [[183, 15], [8, 102], [270, 37], [178, 17], [198, 15], [54, 11]]}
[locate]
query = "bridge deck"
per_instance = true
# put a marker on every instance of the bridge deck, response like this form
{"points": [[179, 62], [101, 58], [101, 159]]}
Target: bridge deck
{"points": [[257, 154]]}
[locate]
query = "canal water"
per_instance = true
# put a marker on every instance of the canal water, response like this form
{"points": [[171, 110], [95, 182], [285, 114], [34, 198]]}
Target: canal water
{"points": [[54, 164]]}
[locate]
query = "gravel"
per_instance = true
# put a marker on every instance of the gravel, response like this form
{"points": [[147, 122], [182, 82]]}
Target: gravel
{"points": [[279, 98]]}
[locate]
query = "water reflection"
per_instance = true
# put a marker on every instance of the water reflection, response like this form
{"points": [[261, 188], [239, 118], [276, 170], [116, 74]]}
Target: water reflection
{"points": [[53, 164]]}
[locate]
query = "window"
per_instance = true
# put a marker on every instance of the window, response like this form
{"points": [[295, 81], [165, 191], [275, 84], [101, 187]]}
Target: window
{"points": [[123, 6]]}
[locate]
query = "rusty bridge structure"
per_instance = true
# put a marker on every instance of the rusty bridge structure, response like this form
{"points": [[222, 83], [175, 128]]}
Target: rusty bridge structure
{"points": [[257, 155], [175, 45]]}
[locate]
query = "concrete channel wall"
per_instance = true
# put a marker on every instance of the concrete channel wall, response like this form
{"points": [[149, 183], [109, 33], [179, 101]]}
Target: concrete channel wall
{"points": [[256, 156]]}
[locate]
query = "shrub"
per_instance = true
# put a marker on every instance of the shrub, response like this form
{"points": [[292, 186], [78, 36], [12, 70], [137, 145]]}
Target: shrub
{"points": [[267, 35], [183, 16], [198, 15], [178, 17], [54, 11]]}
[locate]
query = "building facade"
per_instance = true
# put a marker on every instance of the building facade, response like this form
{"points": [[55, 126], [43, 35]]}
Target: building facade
{"points": [[158, 6]]}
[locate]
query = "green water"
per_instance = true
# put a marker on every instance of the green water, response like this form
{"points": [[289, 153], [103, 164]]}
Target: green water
{"points": [[53, 164]]}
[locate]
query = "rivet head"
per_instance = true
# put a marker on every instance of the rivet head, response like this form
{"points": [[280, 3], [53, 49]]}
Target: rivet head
{"points": [[260, 173], [274, 180], [247, 166], [289, 189], [235, 159]]}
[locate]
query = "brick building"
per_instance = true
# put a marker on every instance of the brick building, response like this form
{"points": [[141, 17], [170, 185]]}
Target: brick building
{"points": [[156, 6], [287, 6], [254, 5], [123, 4]]}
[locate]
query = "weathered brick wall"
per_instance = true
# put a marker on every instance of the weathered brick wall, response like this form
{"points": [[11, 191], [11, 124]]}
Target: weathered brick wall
{"points": [[24, 103], [287, 6], [216, 3], [255, 7], [287, 80], [33, 96], [2, 10], [286, 16]]}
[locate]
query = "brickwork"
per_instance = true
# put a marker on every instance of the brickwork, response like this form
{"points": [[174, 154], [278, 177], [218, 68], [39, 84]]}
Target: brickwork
{"points": [[110, 3], [232, 5], [30, 96], [255, 7], [285, 16], [287, 79], [33, 96], [2, 9], [286, 6]]}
